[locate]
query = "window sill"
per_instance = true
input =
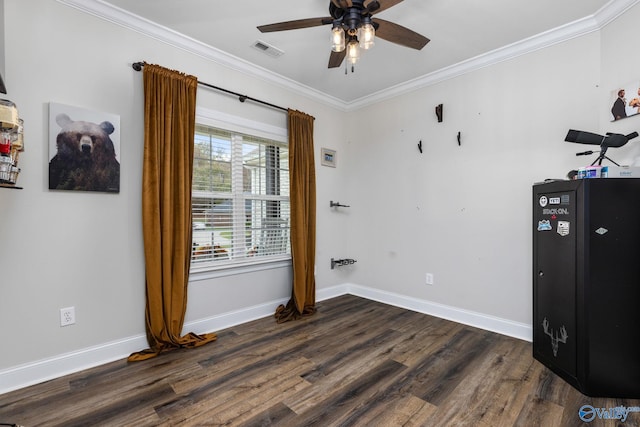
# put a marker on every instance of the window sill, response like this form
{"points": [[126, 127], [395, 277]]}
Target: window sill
{"points": [[206, 274]]}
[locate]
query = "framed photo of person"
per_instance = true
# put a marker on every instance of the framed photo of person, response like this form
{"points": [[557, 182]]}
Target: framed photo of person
{"points": [[625, 101]]}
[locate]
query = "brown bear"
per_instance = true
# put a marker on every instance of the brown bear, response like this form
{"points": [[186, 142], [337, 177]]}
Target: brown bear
{"points": [[85, 158]]}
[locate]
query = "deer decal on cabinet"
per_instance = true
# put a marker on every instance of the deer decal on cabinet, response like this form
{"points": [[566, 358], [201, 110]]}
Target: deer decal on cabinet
{"points": [[555, 339]]}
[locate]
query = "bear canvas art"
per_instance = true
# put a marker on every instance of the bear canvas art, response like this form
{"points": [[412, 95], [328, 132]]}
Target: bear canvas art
{"points": [[84, 153]]}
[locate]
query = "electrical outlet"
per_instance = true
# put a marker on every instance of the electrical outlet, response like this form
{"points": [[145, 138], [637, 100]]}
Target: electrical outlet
{"points": [[429, 279], [67, 316]]}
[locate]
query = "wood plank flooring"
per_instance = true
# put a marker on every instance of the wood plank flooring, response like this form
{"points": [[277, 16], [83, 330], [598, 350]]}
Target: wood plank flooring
{"points": [[354, 363]]}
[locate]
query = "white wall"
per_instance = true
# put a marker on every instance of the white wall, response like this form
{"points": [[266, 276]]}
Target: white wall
{"points": [[619, 65], [461, 213], [79, 249], [2, 38]]}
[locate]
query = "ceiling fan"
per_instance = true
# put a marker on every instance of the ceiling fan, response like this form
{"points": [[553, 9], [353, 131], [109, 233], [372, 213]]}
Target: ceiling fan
{"points": [[354, 27]]}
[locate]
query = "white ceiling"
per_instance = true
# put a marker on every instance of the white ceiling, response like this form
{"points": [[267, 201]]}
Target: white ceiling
{"points": [[460, 30]]}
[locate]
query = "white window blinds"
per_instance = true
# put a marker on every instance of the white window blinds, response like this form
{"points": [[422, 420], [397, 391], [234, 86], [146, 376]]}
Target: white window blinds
{"points": [[240, 199]]}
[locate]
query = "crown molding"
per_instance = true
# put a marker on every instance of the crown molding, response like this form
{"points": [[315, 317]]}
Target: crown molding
{"points": [[580, 27], [178, 40], [612, 10], [595, 22]]}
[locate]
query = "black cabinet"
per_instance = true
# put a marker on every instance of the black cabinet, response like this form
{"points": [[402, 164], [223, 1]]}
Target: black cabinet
{"points": [[586, 283]]}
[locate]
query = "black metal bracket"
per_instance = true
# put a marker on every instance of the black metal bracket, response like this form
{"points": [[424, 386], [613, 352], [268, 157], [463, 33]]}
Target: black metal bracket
{"points": [[333, 204], [341, 262]]}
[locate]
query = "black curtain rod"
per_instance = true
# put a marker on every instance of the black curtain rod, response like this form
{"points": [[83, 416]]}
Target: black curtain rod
{"points": [[138, 67]]}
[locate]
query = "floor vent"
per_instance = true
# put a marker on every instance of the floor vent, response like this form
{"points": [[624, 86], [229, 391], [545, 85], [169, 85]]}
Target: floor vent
{"points": [[267, 48]]}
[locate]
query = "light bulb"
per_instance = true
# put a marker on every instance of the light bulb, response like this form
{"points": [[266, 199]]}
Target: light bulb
{"points": [[353, 53], [367, 36], [337, 39]]}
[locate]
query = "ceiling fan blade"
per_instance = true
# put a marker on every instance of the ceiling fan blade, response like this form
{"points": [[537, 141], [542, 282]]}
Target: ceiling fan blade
{"points": [[384, 4], [295, 25], [342, 4], [398, 34], [336, 58]]}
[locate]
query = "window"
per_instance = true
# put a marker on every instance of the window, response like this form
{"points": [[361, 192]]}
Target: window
{"points": [[240, 201]]}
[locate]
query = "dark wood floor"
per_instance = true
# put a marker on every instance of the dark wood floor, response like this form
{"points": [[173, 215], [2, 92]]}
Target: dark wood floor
{"points": [[354, 363]]}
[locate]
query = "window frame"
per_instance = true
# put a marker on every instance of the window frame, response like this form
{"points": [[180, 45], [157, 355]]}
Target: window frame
{"points": [[232, 123]]}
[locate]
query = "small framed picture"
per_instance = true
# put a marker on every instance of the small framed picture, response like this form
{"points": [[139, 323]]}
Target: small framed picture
{"points": [[328, 157]]}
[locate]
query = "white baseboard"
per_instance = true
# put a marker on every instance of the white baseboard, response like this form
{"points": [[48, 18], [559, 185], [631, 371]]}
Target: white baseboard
{"points": [[32, 373], [54, 367], [43, 370], [507, 327], [334, 291], [232, 318]]}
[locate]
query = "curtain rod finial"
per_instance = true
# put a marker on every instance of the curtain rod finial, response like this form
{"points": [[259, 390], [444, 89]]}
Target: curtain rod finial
{"points": [[137, 66]]}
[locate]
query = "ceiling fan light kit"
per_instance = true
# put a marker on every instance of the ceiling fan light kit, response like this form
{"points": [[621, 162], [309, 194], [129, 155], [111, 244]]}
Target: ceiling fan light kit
{"points": [[337, 38], [354, 28], [353, 53], [367, 35]]}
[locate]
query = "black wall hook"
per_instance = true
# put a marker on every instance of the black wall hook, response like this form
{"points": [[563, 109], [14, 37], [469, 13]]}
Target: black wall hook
{"points": [[459, 138], [420, 146], [333, 204], [439, 112]]}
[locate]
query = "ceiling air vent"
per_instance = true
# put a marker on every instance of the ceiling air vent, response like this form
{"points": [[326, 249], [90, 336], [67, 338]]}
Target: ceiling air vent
{"points": [[267, 48]]}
